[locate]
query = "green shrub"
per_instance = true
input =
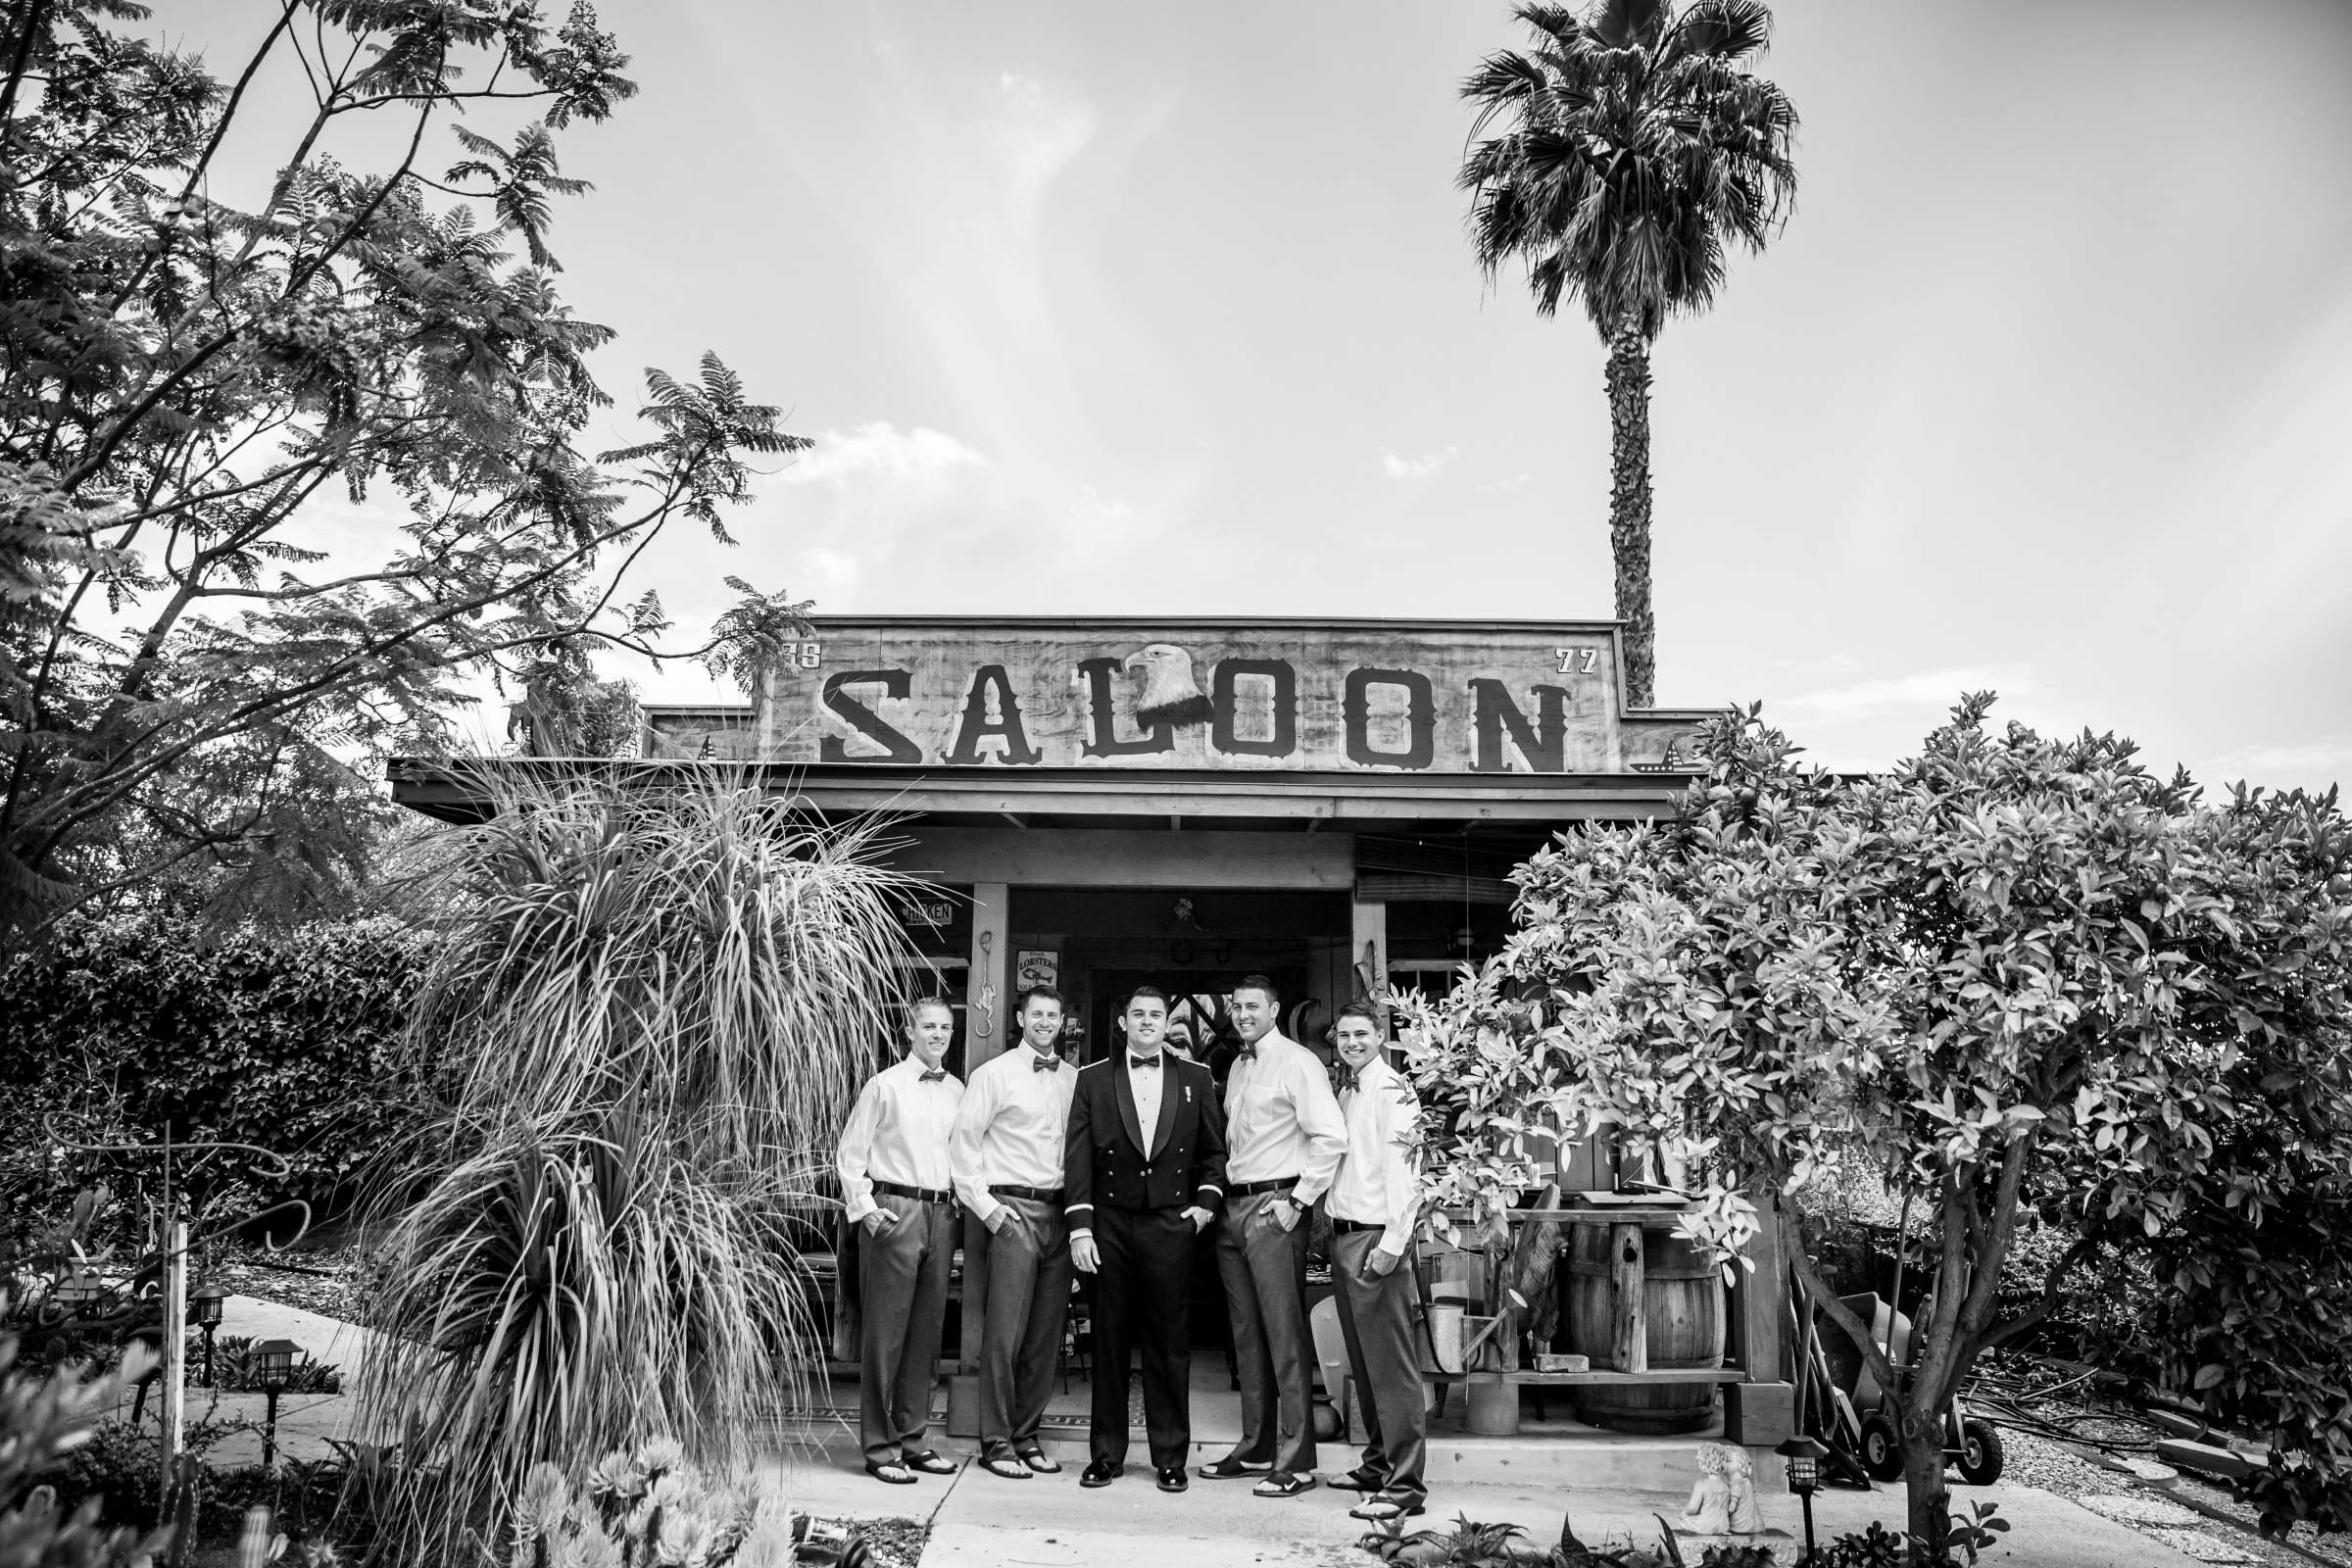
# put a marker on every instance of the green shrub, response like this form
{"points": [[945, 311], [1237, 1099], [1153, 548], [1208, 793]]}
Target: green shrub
{"points": [[44, 1418], [126, 1029]]}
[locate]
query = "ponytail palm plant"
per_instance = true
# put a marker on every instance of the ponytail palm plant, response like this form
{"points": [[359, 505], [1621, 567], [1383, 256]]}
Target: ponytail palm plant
{"points": [[1633, 147], [648, 1018]]}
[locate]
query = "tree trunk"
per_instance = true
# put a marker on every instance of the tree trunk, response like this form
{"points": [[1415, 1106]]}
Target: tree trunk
{"points": [[1629, 507], [1929, 1499]]}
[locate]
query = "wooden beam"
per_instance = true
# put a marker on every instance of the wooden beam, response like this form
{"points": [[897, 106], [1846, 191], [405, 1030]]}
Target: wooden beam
{"points": [[1128, 857], [1629, 1333], [986, 986], [1368, 945]]}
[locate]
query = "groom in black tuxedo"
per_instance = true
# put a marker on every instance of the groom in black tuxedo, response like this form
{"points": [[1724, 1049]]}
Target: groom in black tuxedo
{"points": [[1144, 1171]]}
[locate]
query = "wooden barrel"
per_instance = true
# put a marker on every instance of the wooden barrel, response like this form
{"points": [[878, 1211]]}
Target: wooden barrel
{"points": [[1683, 1298]]}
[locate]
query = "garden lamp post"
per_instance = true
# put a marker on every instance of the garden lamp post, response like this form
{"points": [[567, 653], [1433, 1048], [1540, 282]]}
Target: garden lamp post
{"points": [[272, 1370], [204, 1311], [1805, 1455]]}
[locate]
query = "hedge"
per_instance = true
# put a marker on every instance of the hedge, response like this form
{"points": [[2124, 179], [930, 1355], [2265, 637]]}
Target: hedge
{"points": [[122, 1029]]}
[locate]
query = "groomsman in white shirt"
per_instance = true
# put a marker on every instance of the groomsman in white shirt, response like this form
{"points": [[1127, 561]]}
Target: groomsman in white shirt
{"points": [[895, 1184], [1007, 1160], [1284, 1137], [1374, 1205]]}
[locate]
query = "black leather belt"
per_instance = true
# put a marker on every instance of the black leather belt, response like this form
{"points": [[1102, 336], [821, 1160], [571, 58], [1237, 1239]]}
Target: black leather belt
{"points": [[1348, 1227], [1280, 1184], [1035, 1195], [922, 1194]]}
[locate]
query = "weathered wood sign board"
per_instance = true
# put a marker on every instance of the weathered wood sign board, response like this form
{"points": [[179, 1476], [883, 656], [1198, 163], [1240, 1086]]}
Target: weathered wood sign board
{"points": [[1266, 696]]}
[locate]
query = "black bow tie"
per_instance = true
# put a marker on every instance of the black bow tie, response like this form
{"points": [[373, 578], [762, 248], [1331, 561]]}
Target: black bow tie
{"points": [[1144, 1061], [1045, 1064], [1248, 1052], [935, 1075], [1343, 1079]]}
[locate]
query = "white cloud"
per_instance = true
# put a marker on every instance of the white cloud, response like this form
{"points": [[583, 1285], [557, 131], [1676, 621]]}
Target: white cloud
{"points": [[825, 573], [879, 450], [1928, 691], [2314, 763], [1041, 132], [1421, 467]]}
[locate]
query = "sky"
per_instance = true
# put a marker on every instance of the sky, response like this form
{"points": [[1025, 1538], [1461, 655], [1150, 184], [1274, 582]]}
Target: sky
{"points": [[1100, 308]]}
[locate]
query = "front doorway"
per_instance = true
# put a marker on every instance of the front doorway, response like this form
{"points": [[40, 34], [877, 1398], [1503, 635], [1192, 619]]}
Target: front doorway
{"points": [[1097, 945]]}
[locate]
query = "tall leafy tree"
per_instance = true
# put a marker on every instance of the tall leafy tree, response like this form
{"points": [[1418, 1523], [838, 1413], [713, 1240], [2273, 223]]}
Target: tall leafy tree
{"points": [[2015, 975], [184, 384], [1633, 147]]}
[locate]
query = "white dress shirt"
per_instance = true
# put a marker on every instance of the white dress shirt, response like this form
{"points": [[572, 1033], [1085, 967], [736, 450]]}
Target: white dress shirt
{"points": [[1376, 1184], [1147, 1083], [897, 1132], [1010, 1129], [1281, 1120]]}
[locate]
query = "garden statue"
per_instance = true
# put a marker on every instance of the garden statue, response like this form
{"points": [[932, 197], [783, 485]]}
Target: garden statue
{"points": [[1739, 1475], [1724, 1501]]}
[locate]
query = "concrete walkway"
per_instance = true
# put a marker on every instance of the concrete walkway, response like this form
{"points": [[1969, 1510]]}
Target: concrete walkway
{"points": [[980, 1521], [1611, 1489]]}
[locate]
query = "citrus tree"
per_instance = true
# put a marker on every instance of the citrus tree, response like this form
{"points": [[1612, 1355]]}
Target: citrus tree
{"points": [[2014, 975]]}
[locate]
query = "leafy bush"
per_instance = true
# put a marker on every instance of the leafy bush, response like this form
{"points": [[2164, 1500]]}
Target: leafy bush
{"points": [[126, 1029], [236, 1368], [43, 1420], [648, 1012]]}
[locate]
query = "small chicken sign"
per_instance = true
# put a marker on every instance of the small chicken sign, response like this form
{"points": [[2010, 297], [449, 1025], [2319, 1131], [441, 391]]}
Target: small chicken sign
{"points": [[1289, 696]]}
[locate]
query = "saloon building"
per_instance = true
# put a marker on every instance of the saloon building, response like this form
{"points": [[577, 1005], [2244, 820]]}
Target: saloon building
{"points": [[1099, 803]]}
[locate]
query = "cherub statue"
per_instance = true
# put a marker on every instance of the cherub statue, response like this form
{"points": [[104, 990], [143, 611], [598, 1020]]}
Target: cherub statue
{"points": [[1724, 1501], [1739, 1475], [1710, 1510]]}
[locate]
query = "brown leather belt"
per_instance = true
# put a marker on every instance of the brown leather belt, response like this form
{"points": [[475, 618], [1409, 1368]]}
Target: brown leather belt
{"points": [[1280, 1184], [922, 1194]]}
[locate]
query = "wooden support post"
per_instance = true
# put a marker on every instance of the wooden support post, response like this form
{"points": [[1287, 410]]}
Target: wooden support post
{"points": [[986, 1016], [1629, 1334], [1368, 952], [1761, 1297], [174, 1414]]}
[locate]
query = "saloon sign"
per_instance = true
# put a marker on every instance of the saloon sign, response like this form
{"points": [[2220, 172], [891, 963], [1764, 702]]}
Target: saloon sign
{"points": [[1285, 696]]}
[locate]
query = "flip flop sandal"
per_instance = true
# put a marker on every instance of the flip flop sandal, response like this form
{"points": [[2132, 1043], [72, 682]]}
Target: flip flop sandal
{"points": [[1232, 1469], [1038, 1460], [892, 1473], [1380, 1510], [1358, 1479], [930, 1464], [1006, 1465], [1283, 1485]]}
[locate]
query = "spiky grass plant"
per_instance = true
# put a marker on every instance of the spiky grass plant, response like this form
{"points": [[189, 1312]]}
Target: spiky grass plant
{"points": [[651, 1013]]}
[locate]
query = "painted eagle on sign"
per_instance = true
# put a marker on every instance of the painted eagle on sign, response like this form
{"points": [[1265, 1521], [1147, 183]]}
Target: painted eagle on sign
{"points": [[1170, 691]]}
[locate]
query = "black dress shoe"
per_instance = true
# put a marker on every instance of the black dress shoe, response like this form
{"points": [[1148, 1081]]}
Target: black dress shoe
{"points": [[1100, 1473], [1171, 1478]]}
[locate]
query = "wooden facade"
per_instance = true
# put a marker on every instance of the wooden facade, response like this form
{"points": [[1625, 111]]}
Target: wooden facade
{"points": [[1099, 802]]}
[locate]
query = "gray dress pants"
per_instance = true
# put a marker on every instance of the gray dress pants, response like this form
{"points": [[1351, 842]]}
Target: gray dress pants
{"points": [[1264, 1270], [1020, 1337], [1376, 1316], [902, 1292]]}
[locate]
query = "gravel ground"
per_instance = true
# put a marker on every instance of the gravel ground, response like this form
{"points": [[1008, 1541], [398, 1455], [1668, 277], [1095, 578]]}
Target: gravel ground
{"points": [[2062, 1468], [894, 1543]]}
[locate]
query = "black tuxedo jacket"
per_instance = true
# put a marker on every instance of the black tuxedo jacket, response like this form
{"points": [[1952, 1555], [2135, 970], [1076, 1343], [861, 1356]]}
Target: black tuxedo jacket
{"points": [[1108, 1160]]}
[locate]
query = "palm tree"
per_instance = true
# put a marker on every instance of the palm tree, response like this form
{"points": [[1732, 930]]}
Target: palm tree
{"points": [[1634, 144]]}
